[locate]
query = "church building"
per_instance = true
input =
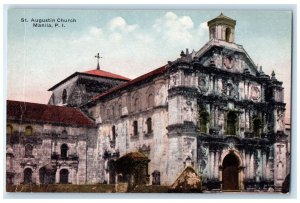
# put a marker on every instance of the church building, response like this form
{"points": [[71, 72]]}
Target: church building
{"points": [[212, 110]]}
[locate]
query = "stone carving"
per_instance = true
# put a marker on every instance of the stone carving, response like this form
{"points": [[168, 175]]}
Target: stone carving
{"points": [[189, 111], [255, 93], [229, 62]]}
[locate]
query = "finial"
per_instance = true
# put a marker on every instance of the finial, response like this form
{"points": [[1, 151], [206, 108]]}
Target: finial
{"points": [[182, 54], [260, 68], [273, 75], [187, 51], [98, 58]]}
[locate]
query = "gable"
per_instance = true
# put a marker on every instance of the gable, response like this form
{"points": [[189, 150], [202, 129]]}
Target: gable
{"points": [[226, 56]]}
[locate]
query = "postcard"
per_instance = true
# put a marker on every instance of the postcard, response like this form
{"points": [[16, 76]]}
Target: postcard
{"points": [[148, 101]]}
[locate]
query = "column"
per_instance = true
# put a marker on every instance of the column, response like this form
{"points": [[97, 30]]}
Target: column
{"points": [[212, 160], [216, 168], [57, 176]]}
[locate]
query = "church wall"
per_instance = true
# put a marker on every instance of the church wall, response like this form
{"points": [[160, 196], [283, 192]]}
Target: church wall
{"points": [[56, 98]]}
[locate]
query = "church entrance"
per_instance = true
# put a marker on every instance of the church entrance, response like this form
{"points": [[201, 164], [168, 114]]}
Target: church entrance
{"points": [[230, 173]]}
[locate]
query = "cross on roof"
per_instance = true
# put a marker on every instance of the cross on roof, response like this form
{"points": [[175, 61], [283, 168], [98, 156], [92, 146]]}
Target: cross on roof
{"points": [[98, 57]]}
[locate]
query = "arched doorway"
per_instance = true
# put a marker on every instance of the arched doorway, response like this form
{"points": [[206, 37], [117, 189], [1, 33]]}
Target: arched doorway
{"points": [[27, 176], [230, 172], [47, 174], [64, 176]]}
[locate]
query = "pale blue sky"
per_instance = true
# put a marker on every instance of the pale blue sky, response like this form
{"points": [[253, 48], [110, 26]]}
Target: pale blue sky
{"points": [[132, 42]]}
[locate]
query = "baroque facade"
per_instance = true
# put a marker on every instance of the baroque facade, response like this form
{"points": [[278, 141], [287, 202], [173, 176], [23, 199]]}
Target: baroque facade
{"points": [[213, 110]]}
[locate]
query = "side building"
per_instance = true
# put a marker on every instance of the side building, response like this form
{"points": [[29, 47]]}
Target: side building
{"points": [[46, 144]]}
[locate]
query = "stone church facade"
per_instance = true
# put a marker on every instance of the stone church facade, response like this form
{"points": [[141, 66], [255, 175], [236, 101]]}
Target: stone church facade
{"points": [[211, 109]]}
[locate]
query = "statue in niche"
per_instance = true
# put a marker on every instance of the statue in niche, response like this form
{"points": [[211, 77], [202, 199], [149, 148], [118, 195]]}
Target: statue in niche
{"points": [[221, 119], [280, 117], [188, 112], [203, 84], [173, 80]]}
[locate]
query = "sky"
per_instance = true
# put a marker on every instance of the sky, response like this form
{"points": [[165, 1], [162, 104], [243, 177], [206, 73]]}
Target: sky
{"points": [[131, 42]]}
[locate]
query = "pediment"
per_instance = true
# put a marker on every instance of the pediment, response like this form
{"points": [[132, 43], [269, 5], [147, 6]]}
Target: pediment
{"points": [[226, 56]]}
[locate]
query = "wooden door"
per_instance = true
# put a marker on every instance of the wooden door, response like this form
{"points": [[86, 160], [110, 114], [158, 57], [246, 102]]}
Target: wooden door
{"points": [[230, 173]]}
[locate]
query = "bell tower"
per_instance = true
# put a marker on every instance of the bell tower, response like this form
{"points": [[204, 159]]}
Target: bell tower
{"points": [[222, 28]]}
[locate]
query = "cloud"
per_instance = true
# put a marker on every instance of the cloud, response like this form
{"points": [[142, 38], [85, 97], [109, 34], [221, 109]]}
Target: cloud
{"points": [[119, 24], [175, 28]]}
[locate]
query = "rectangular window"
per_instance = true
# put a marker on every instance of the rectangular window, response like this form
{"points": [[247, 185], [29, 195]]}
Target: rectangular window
{"points": [[135, 128]]}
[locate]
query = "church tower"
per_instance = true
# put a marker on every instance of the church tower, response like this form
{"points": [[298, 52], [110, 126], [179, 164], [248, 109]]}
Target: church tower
{"points": [[222, 28]]}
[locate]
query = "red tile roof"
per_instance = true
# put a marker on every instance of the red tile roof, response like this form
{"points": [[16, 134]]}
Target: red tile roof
{"points": [[42, 113], [95, 73], [132, 82], [106, 74]]}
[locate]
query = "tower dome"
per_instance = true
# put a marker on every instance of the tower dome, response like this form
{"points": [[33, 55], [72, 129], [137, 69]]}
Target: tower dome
{"points": [[222, 28]]}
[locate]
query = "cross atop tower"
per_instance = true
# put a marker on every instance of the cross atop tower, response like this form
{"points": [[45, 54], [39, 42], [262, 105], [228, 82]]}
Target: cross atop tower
{"points": [[98, 57]]}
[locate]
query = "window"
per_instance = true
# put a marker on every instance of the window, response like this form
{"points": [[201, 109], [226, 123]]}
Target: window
{"points": [[156, 177], [64, 134], [150, 100], [228, 32], [149, 125], [64, 176], [28, 131], [257, 126], [27, 176], [9, 129], [64, 96], [28, 150], [113, 129], [135, 128], [203, 118], [64, 150], [120, 110], [136, 105], [232, 119]]}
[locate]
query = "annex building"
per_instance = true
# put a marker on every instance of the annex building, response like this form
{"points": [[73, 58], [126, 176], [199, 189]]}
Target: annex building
{"points": [[212, 110]]}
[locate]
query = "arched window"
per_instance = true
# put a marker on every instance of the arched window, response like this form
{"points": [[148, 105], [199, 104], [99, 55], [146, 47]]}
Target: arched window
{"points": [[120, 110], [64, 176], [227, 33], [232, 120], [204, 119], [64, 134], [64, 150], [136, 105], [64, 96], [135, 128], [149, 125], [28, 131], [150, 100], [27, 176], [28, 150], [9, 129], [257, 126]]}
